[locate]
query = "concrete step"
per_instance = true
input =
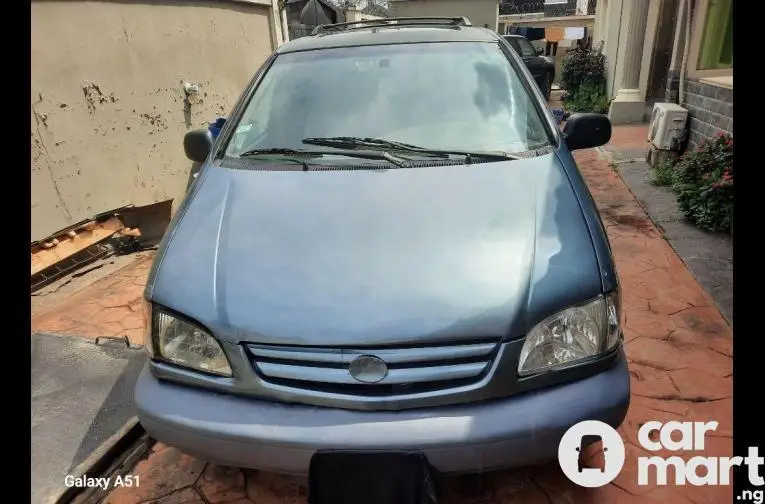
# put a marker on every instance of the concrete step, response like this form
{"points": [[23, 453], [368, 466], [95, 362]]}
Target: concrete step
{"points": [[82, 395]]}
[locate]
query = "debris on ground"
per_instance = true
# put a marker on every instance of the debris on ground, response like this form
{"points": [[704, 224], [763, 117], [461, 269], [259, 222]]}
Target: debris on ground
{"points": [[121, 231]]}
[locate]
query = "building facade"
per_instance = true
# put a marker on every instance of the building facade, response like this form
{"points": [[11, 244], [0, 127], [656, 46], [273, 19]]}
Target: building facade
{"points": [[114, 87], [670, 50], [707, 82], [479, 12]]}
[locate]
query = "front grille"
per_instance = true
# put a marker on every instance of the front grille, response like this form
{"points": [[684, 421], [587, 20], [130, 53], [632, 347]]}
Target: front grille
{"points": [[411, 370]]}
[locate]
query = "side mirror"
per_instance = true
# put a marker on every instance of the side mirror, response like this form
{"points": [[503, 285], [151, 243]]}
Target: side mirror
{"points": [[197, 145], [585, 131], [540, 51]]}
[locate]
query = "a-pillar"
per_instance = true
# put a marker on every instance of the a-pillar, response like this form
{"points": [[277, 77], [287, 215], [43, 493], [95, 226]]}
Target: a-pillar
{"points": [[628, 105]]}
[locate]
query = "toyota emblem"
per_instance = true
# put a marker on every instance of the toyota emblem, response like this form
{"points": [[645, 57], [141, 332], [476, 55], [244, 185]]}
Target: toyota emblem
{"points": [[368, 369]]}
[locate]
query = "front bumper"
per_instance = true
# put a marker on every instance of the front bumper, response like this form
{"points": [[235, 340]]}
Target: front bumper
{"points": [[516, 431]]}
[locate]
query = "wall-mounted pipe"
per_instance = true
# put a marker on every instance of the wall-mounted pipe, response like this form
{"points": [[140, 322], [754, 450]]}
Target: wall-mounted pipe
{"points": [[686, 13]]}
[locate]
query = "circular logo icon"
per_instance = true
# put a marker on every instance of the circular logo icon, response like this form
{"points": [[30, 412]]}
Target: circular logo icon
{"points": [[571, 453], [368, 369]]}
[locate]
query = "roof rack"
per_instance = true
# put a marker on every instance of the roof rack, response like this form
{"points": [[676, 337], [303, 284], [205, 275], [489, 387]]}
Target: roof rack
{"points": [[402, 21]]}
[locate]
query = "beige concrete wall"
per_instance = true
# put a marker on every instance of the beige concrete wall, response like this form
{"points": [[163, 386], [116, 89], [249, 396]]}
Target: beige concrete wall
{"points": [[107, 105], [550, 22], [353, 15], [612, 19], [479, 12]]}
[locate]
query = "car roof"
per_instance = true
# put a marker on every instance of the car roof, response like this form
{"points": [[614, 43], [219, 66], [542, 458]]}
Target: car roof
{"points": [[386, 35]]}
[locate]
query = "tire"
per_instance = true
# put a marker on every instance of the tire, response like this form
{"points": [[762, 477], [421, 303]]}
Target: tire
{"points": [[547, 86]]}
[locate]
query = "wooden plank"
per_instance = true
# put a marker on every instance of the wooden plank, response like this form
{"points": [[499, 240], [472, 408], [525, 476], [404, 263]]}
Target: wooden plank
{"points": [[45, 255]]}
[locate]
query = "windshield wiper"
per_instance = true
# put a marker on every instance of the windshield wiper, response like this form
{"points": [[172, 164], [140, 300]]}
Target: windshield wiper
{"points": [[279, 150], [398, 161], [355, 142], [359, 142]]}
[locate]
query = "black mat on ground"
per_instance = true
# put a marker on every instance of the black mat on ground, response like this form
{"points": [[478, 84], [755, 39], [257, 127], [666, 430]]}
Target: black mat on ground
{"points": [[351, 477], [82, 395]]}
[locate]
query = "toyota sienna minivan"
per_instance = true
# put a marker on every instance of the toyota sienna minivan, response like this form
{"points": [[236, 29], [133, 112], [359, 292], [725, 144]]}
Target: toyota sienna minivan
{"points": [[389, 246]]}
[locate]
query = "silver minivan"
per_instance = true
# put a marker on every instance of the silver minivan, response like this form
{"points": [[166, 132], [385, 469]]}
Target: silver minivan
{"points": [[388, 246]]}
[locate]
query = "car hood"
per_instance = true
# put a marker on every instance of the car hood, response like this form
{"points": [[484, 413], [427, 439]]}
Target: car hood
{"points": [[378, 257]]}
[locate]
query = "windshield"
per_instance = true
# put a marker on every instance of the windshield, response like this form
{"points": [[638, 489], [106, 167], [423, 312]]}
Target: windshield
{"points": [[464, 96]]}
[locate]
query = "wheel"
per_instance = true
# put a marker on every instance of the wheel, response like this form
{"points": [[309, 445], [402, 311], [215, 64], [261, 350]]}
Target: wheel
{"points": [[547, 86]]}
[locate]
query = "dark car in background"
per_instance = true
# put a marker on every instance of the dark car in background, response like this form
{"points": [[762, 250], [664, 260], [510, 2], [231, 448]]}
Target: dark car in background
{"points": [[541, 67]]}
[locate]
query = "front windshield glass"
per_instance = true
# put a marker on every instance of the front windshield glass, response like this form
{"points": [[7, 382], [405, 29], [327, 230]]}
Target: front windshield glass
{"points": [[454, 96]]}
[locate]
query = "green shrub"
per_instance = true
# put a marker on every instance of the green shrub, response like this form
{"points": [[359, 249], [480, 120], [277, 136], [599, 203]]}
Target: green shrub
{"points": [[664, 175], [588, 98], [583, 66], [583, 76], [704, 184]]}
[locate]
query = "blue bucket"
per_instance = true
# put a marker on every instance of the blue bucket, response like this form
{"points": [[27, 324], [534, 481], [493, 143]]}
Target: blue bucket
{"points": [[216, 126], [558, 114]]}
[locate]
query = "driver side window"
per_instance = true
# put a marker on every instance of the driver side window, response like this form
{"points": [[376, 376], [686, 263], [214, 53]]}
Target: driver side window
{"points": [[514, 44], [527, 50]]}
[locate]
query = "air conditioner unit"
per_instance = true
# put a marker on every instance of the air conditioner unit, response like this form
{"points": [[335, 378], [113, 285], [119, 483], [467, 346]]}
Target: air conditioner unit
{"points": [[667, 127]]}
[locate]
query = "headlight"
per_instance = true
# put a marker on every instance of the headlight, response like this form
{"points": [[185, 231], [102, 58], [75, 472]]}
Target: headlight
{"points": [[572, 335], [184, 344]]}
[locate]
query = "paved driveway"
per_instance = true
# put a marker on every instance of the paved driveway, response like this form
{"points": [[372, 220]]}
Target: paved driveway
{"points": [[678, 345]]}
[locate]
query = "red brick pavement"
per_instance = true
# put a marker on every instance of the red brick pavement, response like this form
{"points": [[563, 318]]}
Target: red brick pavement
{"points": [[628, 137], [109, 307], [678, 345]]}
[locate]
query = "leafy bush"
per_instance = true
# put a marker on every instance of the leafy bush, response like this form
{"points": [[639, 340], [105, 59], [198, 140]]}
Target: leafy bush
{"points": [[588, 98], [704, 184], [583, 76], [664, 175], [582, 66]]}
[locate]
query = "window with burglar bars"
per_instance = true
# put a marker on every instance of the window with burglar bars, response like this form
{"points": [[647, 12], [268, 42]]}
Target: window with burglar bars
{"points": [[297, 29], [331, 11], [548, 8], [339, 11]]}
